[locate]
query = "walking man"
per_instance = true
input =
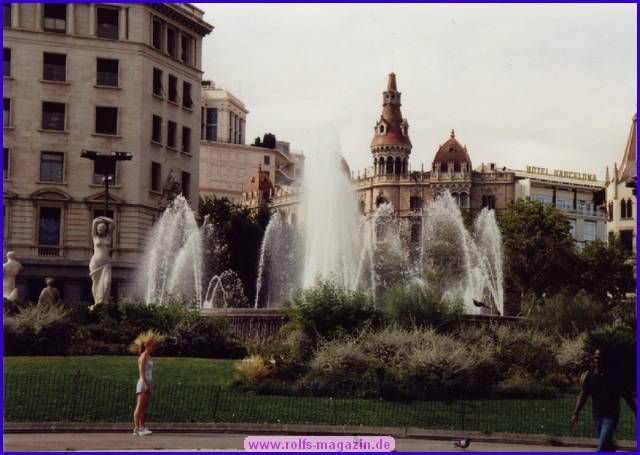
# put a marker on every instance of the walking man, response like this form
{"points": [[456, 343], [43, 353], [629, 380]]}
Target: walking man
{"points": [[606, 389]]}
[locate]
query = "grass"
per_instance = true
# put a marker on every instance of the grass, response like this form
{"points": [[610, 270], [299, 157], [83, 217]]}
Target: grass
{"points": [[198, 390], [170, 370]]}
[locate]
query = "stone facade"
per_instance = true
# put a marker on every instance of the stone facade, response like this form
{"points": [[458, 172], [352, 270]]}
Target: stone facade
{"points": [[392, 179], [621, 200], [227, 165], [112, 77]]}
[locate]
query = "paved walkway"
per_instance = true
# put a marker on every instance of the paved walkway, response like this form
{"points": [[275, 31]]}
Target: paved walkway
{"points": [[217, 441]]}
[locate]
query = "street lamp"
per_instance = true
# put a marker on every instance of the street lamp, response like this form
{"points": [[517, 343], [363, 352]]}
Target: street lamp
{"points": [[106, 165]]}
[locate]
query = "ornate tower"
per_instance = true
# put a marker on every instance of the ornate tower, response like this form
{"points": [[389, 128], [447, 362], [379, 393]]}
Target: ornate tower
{"points": [[391, 145]]}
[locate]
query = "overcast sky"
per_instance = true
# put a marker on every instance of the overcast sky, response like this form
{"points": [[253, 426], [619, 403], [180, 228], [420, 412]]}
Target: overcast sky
{"points": [[547, 85]]}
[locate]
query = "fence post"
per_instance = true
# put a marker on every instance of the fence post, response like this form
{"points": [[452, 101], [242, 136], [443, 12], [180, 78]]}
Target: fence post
{"points": [[215, 403], [76, 383]]}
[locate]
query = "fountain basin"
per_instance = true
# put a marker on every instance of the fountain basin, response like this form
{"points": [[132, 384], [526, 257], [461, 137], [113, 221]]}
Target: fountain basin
{"points": [[261, 326]]}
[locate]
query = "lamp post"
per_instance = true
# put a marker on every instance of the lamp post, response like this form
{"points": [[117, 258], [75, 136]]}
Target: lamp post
{"points": [[106, 165]]}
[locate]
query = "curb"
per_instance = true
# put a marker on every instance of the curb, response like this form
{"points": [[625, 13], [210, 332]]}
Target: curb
{"points": [[292, 429]]}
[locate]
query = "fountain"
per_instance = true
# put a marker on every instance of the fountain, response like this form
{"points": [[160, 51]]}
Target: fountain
{"points": [[332, 241], [175, 258], [468, 264]]}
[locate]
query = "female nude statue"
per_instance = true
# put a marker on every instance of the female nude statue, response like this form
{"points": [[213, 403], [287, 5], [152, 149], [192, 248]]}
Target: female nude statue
{"points": [[100, 265]]}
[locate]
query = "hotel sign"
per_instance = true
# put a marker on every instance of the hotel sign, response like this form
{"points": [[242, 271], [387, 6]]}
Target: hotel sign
{"points": [[560, 173]]}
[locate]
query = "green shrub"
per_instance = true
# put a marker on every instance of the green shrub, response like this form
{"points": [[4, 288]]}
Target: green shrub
{"points": [[339, 367], [518, 353], [572, 359], [71, 329], [326, 311], [567, 314], [37, 329], [398, 364], [414, 305], [618, 351]]}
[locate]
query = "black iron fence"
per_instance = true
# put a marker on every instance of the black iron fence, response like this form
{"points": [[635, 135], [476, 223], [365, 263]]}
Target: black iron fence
{"points": [[80, 397]]}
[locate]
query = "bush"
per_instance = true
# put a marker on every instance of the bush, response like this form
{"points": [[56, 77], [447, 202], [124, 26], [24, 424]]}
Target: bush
{"points": [[520, 355], [326, 311], [567, 314], [37, 328], [251, 370], [71, 329], [339, 367], [398, 364], [572, 359], [618, 352], [414, 305]]}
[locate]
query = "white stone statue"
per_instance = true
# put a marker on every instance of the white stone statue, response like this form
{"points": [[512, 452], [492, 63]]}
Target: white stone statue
{"points": [[9, 271], [100, 265]]}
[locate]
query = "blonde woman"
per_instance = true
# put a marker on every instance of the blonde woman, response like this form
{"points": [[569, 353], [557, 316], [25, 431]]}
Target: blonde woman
{"points": [[144, 345]]}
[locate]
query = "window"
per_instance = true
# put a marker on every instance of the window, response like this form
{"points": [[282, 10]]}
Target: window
{"points": [[416, 231], [51, 167], [6, 14], [171, 41], [106, 120], [108, 23], [97, 213], [157, 82], [173, 88], [6, 63], [610, 211], [572, 227], [564, 204], [186, 139], [186, 95], [543, 198], [156, 133], [415, 203], [380, 231], [6, 112], [626, 241], [49, 226], [185, 48], [623, 209], [99, 174], [489, 202], [267, 160], [156, 173], [55, 17], [171, 134], [53, 116], [107, 72], [630, 209], [54, 67], [211, 127], [589, 231], [5, 163], [464, 200], [186, 183], [241, 132], [157, 34]]}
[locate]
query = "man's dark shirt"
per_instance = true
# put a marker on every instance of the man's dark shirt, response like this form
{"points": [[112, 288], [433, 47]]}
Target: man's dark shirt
{"points": [[605, 393]]}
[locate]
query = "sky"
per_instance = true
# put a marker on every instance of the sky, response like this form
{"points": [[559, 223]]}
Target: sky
{"points": [[546, 85]]}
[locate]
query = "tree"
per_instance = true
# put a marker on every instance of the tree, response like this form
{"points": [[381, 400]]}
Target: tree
{"points": [[539, 255], [604, 271], [240, 230]]}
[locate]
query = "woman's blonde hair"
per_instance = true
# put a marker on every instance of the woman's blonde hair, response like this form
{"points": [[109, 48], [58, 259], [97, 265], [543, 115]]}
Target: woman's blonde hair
{"points": [[143, 340]]}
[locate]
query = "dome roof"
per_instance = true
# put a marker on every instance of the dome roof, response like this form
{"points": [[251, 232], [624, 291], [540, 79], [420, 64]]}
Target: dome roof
{"points": [[391, 129], [452, 151]]}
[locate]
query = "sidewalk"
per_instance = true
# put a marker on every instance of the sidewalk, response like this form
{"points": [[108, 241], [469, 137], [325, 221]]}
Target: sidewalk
{"points": [[215, 441], [35, 436]]}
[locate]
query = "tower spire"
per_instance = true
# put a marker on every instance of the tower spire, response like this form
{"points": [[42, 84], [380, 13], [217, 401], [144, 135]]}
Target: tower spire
{"points": [[391, 145]]}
